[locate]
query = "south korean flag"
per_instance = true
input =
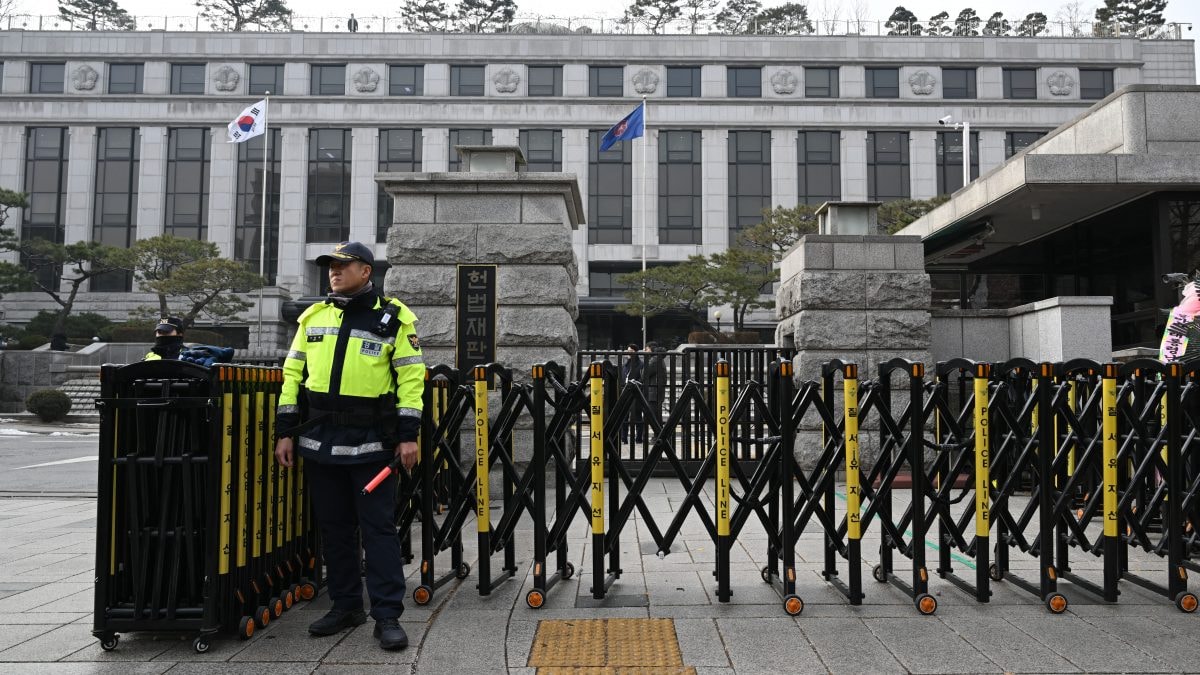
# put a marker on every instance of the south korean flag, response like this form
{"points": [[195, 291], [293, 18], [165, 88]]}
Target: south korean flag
{"points": [[252, 122]]}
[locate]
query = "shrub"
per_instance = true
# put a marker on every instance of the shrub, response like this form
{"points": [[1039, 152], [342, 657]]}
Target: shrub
{"points": [[204, 337], [701, 337], [31, 341], [132, 331], [51, 405], [80, 327]]}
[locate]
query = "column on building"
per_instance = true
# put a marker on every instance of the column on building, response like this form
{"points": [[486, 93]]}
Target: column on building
{"points": [[437, 79], [989, 82], [991, 150], [575, 160], [435, 149], [922, 157], [853, 81], [81, 185], [714, 176], [293, 210], [506, 136], [785, 175], [364, 191], [854, 165], [152, 182], [222, 191], [156, 77], [295, 79], [16, 74], [645, 193], [12, 172], [712, 81], [575, 80]]}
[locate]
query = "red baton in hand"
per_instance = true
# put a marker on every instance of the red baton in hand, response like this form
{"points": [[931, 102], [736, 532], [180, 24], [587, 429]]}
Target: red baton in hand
{"points": [[382, 476]]}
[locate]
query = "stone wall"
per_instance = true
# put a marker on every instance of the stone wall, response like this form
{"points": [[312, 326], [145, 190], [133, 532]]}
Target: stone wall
{"points": [[1055, 329]]}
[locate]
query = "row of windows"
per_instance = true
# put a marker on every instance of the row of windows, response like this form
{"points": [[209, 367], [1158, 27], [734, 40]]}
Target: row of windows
{"points": [[610, 180], [603, 81]]}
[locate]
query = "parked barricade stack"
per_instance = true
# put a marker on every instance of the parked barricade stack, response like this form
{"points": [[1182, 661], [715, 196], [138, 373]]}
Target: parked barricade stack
{"points": [[200, 529]]}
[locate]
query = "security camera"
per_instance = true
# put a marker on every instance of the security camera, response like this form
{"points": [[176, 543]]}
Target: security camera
{"points": [[948, 119]]}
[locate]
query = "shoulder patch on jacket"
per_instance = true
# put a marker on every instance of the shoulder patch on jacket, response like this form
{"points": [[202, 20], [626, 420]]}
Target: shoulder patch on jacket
{"points": [[414, 342]]}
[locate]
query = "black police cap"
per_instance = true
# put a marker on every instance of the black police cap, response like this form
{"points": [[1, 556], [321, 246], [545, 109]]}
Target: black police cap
{"points": [[347, 251]]}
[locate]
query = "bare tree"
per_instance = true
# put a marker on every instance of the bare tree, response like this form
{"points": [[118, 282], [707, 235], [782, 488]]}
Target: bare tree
{"points": [[1074, 16], [828, 13], [7, 9]]}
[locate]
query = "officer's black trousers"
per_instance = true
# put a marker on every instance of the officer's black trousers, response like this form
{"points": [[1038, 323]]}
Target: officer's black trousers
{"points": [[342, 512]]}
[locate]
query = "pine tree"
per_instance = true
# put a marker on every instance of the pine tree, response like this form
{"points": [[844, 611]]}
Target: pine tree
{"points": [[967, 23], [937, 24], [997, 25], [240, 14], [425, 16], [1140, 17], [787, 19], [655, 15], [1033, 25], [697, 12], [737, 16], [903, 22], [96, 14], [484, 16]]}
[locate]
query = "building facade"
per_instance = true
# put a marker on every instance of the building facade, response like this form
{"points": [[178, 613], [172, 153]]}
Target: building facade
{"points": [[121, 136]]}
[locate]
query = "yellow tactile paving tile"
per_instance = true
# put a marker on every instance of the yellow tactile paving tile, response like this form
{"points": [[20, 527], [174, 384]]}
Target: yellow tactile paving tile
{"points": [[609, 646]]}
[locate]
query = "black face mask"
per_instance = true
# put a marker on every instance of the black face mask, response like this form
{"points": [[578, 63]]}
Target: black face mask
{"points": [[168, 346]]}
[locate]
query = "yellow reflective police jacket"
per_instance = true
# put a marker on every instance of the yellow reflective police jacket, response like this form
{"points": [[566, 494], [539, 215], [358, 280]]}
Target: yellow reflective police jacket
{"points": [[363, 376]]}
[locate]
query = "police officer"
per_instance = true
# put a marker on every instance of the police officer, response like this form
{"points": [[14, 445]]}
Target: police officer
{"points": [[168, 339], [359, 359]]}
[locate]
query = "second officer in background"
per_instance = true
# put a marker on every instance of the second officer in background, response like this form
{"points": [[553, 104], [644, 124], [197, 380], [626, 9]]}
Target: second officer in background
{"points": [[359, 360]]}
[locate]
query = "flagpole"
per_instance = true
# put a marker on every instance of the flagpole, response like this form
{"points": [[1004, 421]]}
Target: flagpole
{"points": [[262, 232], [645, 229]]}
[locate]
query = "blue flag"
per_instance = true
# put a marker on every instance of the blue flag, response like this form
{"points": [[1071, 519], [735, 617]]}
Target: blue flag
{"points": [[630, 127]]}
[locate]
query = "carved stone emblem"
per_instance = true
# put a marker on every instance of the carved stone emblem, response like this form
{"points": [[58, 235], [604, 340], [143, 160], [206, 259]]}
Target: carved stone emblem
{"points": [[366, 80], [784, 82], [645, 82], [922, 82], [1060, 83], [226, 79], [84, 78], [506, 80]]}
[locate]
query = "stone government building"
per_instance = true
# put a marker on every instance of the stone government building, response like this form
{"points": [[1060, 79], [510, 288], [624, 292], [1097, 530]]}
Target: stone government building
{"points": [[120, 136]]}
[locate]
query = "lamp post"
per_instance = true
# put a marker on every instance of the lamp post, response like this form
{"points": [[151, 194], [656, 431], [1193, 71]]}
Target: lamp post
{"points": [[965, 125], [717, 316]]}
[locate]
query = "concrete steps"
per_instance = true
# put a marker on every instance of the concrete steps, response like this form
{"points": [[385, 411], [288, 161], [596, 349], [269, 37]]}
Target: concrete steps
{"points": [[83, 392]]}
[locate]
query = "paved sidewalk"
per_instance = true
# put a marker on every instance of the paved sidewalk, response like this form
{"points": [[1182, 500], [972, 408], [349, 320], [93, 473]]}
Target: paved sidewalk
{"points": [[46, 581]]}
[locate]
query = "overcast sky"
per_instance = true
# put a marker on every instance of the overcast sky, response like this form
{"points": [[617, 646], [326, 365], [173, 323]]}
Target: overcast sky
{"points": [[1182, 11]]}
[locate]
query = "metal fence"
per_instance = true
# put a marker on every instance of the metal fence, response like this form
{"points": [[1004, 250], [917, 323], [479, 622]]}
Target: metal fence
{"points": [[552, 25]]}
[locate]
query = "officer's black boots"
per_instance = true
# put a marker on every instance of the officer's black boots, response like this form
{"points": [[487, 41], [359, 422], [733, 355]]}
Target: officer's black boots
{"points": [[336, 621], [390, 634]]}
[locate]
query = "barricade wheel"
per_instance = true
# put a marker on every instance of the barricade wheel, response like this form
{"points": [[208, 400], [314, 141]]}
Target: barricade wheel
{"points": [[294, 589], [109, 642], [422, 594], [995, 573], [262, 617], [200, 644], [766, 574], [879, 574], [793, 605], [308, 590], [568, 571], [1056, 603], [926, 604], [246, 628], [535, 599], [1186, 602], [288, 599], [463, 571], [276, 608]]}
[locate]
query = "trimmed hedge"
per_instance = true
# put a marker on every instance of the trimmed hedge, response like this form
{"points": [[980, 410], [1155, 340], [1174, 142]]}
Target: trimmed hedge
{"points": [[51, 405]]}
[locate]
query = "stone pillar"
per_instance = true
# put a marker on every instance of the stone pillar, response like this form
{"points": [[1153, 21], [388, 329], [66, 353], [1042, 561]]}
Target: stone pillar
{"points": [[991, 150], [156, 77], [575, 161], [16, 77], [923, 164], [80, 216], [862, 299], [506, 136], [295, 79], [520, 222], [364, 193], [854, 165], [12, 173], [785, 173], [714, 177], [293, 210], [435, 149], [222, 191], [152, 182], [712, 82], [645, 199]]}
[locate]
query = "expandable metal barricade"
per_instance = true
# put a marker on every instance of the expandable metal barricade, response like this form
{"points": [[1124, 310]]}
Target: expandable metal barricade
{"points": [[1006, 459], [199, 528]]}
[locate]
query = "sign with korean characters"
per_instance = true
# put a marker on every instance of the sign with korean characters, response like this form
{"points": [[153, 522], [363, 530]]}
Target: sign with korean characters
{"points": [[475, 342]]}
